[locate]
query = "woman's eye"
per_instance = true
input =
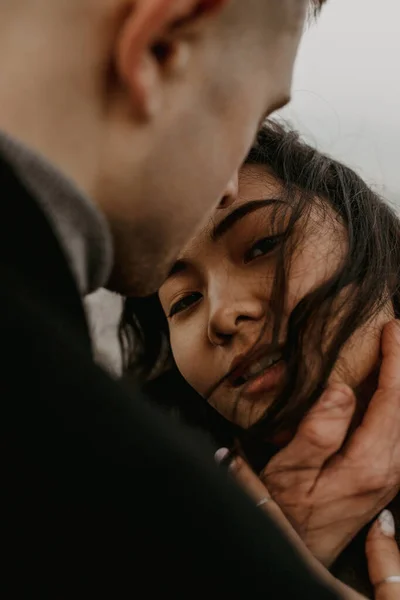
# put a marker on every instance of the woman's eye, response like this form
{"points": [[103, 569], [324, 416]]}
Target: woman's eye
{"points": [[262, 247], [184, 303]]}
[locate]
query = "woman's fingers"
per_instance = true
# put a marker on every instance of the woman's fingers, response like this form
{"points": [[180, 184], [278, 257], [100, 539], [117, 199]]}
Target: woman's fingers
{"points": [[258, 492], [254, 487], [389, 376], [243, 475], [381, 422], [319, 436], [384, 558]]}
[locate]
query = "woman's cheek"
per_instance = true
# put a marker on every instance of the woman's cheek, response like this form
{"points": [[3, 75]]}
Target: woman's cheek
{"points": [[188, 358]]}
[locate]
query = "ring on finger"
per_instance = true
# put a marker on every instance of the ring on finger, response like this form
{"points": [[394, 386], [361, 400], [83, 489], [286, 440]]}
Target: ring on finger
{"points": [[391, 579]]}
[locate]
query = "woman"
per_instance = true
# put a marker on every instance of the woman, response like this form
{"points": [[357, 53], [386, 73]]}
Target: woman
{"points": [[281, 294]]}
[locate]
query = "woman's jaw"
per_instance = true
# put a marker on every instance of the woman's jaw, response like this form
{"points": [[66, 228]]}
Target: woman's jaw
{"points": [[245, 402], [253, 381]]}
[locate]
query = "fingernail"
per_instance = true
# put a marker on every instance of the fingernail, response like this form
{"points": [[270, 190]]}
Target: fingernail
{"points": [[386, 523], [223, 457]]}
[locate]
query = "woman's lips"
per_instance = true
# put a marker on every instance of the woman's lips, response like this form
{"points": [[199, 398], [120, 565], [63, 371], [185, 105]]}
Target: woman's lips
{"points": [[266, 381]]}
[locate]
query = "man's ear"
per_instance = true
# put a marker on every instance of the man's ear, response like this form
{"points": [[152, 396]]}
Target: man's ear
{"points": [[149, 46]]}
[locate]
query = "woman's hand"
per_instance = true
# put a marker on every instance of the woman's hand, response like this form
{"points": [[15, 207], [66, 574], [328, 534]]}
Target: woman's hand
{"points": [[384, 558], [329, 496], [381, 548]]}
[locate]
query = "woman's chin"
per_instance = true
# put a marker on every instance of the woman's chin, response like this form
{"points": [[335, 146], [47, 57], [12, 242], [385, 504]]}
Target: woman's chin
{"points": [[239, 411]]}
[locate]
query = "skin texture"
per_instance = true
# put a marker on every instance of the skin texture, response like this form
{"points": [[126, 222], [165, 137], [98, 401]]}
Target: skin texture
{"points": [[224, 297], [328, 493], [380, 549], [119, 109]]}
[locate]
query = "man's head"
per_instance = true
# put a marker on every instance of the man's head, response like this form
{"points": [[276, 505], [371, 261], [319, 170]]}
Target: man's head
{"points": [[150, 105]]}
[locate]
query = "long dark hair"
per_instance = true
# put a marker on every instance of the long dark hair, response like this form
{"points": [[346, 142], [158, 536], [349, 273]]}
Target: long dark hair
{"points": [[369, 274]]}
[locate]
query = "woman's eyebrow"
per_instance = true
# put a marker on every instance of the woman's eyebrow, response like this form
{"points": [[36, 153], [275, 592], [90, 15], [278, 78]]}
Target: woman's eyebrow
{"points": [[225, 225], [178, 267], [239, 213]]}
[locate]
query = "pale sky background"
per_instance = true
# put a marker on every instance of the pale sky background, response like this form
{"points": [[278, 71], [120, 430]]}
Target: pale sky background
{"points": [[346, 95]]}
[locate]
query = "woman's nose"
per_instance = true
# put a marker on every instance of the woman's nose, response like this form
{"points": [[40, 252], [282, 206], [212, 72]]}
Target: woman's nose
{"points": [[229, 318]]}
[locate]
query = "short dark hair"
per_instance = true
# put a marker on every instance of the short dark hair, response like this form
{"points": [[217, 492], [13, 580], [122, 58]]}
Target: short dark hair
{"points": [[370, 274]]}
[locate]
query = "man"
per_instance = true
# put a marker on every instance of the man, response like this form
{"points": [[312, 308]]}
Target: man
{"points": [[102, 495]]}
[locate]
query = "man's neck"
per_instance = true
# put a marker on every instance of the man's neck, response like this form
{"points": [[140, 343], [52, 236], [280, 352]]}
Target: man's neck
{"points": [[49, 91], [63, 144], [81, 229]]}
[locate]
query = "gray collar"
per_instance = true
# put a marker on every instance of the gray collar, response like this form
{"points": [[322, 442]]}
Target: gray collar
{"points": [[81, 229]]}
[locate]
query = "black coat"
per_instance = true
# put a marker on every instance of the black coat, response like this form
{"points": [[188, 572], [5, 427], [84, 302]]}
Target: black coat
{"points": [[103, 496]]}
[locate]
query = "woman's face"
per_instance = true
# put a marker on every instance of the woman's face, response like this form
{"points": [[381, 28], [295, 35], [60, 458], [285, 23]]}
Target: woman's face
{"points": [[218, 298]]}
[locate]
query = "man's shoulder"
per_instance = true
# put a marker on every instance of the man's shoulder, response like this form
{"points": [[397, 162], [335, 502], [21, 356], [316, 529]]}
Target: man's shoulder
{"points": [[34, 268]]}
